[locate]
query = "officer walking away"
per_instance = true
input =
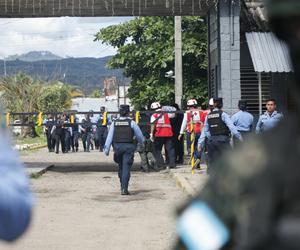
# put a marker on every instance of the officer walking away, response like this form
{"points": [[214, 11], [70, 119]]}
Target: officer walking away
{"points": [[217, 129], [121, 136], [50, 138], [242, 120], [161, 133], [270, 118]]}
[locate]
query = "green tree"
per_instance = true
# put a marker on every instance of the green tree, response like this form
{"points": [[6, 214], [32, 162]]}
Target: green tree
{"points": [[96, 93], [55, 97], [145, 51], [20, 93]]}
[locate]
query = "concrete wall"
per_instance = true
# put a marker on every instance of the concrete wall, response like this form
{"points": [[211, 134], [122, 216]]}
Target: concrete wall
{"points": [[227, 58]]}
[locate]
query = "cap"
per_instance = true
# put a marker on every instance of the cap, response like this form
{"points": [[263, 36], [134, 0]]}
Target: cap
{"points": [[124, 109], [242, 104]]}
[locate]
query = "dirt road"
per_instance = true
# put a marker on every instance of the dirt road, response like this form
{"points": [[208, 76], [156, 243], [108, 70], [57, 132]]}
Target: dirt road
{"points": [[84, 210]]}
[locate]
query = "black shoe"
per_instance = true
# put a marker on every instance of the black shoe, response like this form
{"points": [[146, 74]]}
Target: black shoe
{"points": [[125, 192], [76, 149], [57, 152]]}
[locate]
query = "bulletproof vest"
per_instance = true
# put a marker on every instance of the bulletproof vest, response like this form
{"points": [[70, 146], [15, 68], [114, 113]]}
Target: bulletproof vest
{"points": [[88, 126], [49, 125], [123, 132], [59, 128], [75, 127], [216, 124], [100, 121]]}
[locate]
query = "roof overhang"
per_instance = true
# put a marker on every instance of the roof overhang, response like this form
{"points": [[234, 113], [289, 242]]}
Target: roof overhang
{"points": [[268, 53], [57, 8]]}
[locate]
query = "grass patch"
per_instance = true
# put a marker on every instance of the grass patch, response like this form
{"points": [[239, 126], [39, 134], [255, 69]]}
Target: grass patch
{"points": [[35, 175], [40, 140]]}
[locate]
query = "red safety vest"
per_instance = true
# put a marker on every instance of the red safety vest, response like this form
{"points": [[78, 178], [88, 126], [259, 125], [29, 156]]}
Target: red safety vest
{"points": [[163, 126], [195, 121]]}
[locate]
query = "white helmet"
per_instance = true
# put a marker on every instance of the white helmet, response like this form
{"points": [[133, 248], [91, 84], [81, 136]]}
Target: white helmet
{"points": [[155, 105], [211, 102], [192, 102]]}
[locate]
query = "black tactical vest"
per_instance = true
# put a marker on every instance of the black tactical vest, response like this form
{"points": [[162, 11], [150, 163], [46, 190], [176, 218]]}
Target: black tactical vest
{"points": [[123, 132], [216, 124]]}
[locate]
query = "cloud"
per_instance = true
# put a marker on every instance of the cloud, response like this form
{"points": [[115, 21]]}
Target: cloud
{"points": [[64, 36]]}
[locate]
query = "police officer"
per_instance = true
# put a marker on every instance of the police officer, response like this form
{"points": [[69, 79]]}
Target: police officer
{"points": [[59, 132], [270, 118], [217, 129], [121, 136], [86, 132], [50, 138], [76, 135], [101, 131], [242, 120]]}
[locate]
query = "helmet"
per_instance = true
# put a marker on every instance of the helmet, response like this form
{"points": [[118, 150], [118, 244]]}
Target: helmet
{"points": [[124, 110], [211, 102], [155, 105], [192, 102]]}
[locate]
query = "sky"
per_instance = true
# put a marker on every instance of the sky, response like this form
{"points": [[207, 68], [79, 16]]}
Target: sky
{"points": [[64, 36]]}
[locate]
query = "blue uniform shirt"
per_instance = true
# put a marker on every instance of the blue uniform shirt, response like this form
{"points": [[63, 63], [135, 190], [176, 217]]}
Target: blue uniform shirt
{"points": [[137, 132], [226, 119], [16, 200], [243, 121], [267, 121]]}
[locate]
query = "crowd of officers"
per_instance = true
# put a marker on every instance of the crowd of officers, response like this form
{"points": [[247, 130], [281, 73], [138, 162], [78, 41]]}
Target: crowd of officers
{"points": [[159, 135], [64, 136]]}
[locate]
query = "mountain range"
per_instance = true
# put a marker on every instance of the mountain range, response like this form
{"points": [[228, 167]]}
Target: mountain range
{"points": [[85, 73]]}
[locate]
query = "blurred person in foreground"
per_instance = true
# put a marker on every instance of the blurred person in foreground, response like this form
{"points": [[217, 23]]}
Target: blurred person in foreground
{"points": [[16, 200], [253, 200]]}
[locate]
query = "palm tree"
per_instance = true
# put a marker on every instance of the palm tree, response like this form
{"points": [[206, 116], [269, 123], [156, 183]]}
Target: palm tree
{"points": [[21, 93]]}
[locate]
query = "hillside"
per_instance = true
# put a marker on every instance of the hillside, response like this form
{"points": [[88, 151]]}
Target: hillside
{"points": [[86, 73], [34, 56]]}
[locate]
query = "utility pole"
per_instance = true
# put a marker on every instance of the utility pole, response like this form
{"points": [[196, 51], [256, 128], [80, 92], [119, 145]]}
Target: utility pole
{"points": [[178, 61]]}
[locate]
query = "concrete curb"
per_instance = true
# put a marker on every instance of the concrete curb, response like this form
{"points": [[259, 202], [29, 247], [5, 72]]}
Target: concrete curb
{"points": [[38, 174], [183, 184], [37, 147], [23, 147]]}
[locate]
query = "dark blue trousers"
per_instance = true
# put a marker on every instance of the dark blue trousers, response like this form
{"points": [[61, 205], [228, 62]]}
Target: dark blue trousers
{"points": [[124, 155], [216, 145]]}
